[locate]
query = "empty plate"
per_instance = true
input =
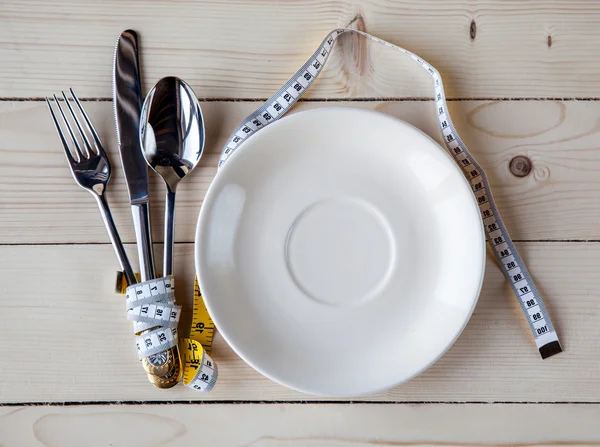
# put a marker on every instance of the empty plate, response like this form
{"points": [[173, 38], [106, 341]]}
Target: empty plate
{"points": [[340, 251]]}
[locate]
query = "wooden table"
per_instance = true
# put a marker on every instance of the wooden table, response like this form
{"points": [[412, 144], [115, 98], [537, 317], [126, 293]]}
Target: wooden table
{"points": [[523, 78]]}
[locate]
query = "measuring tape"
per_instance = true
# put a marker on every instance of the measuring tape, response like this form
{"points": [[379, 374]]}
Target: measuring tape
{"points": [[151, 305], [497, 236]]}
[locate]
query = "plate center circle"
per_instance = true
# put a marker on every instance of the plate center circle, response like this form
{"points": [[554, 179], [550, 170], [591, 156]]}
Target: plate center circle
{"points": [[340, 251]]}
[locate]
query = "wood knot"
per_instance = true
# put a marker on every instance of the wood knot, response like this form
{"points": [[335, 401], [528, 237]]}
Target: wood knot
{"points": [[354, 51], [549, 41], [357, 23], [520, 166], [473, 30]]}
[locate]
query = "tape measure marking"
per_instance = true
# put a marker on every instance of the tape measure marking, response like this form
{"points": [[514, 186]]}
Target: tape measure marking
{"points": [[201, 372], [155, 341], [161, 289], [158, 314], [151, 304], [203, 327], [496, 234]]}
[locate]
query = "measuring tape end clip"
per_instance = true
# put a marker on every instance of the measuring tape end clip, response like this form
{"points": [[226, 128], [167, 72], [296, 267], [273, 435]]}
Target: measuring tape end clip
{"points": [[121, 283], [550, 349]]}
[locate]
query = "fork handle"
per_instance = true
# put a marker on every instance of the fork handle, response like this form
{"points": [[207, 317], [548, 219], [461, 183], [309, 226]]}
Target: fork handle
{"points": [[115, 239]]}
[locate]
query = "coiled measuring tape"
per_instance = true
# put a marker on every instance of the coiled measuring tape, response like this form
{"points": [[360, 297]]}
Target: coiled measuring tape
{"points": [[151, 305], [497, 236]]}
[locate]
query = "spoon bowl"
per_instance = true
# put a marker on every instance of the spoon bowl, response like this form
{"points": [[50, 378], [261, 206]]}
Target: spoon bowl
{"points": [[172, 130]]}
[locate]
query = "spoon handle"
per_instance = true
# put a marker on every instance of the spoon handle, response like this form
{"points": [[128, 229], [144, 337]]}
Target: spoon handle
{"points": [[169, 232]]}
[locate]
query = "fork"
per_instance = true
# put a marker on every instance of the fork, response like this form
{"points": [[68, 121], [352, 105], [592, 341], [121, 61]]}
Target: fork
{"points": [[90, 167]]}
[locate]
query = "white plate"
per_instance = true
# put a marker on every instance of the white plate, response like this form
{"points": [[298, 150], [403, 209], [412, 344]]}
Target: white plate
{"points": [[340, 251]]}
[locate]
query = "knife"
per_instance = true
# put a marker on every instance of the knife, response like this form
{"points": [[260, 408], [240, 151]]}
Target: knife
{"points": [[127, 103]]}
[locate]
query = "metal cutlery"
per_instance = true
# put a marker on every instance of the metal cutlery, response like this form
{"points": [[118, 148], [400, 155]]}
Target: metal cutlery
{"points": [[164, 369], [89, 165], [91, 168], [172, 139], [127, 102]]}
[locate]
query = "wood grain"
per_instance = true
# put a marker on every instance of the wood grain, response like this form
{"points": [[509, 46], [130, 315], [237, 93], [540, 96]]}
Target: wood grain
{"points": [[40, 202], [245, 49], [301, 425], [64, 336]]}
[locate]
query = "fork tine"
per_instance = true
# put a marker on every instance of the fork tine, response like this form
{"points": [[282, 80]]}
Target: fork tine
{"points": [[90, 126], [88, 146], [60, 134], [80, 154]]}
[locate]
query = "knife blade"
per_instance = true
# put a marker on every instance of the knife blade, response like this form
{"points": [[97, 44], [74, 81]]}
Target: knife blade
{"points": [[127, 103]]}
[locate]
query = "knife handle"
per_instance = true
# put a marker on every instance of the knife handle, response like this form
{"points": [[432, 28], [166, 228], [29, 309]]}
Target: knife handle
{"points": [[143, 237]]}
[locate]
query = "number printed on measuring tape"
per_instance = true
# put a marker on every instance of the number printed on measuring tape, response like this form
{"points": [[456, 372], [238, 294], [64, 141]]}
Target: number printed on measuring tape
{"points": [[203, 327], [156, 314], [151, 305], [497, 236], [200, 372], [160, 289], [155, 341]]}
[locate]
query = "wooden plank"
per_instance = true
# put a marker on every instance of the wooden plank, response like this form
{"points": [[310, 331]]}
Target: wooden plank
{"points": [[245, 49], [302, 425], [40, 202], [64, 336]]}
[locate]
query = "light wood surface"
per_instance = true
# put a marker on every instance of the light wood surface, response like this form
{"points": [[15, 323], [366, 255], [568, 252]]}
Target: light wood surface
{"points": [[557, 201], [308, 425], [243, 49], [63, 334], [67, 326]]}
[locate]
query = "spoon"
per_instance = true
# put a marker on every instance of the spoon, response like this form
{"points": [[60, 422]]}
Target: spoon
{"points": [[172, 140]]}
